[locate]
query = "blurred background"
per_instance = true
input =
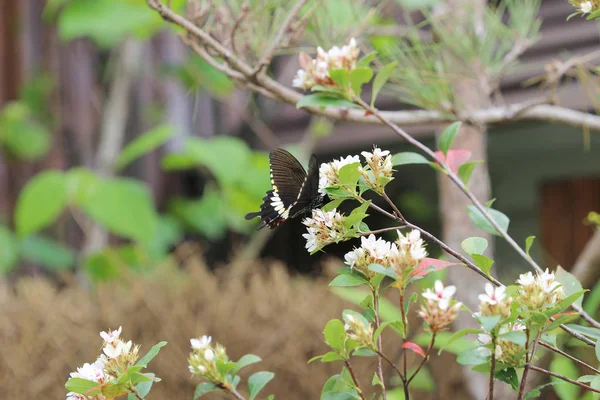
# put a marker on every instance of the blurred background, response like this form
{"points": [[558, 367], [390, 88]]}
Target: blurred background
{"points": [[127, 164]]}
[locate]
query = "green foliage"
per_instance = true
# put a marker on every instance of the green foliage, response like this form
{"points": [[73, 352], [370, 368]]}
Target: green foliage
{"points": [[474, 245], [257, 382], [381, 79], [8, 250], [466, 170], [21, 134], [47, 252], [570, 283], [153, 352], [529, 243], [565, 367], [324, 100], [408, 158], [448, 135], [143, 144], [480, 221], [204, 388], [197, 74]]}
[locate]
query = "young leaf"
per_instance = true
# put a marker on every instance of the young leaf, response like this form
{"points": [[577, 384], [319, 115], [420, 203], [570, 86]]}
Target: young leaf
{"points": [[359, 77], [570, 283], [474, 245], [366, 60], [480, 221], [408, 158], [41, 201], [518, 337], [429, 265], [143, 144], [346, 280], [335, 334], [414, 347], [246, 360], [340, 77], [82, 386], [324, 101], [203, 388], [380, 269], [333, 204], [466, 170], [143, 362], [529, 243], [489, 322], [330, 357], [483, 262], [448, 136], [257, 382], [349, 175], [508, 375], [381, 79]]}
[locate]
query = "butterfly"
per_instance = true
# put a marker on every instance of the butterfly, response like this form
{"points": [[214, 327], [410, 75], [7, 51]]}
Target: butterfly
{"points": [[295, 192]]}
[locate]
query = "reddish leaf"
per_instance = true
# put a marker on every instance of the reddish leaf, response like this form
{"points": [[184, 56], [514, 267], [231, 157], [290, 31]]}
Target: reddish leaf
{"points": [[304, 59], [423, 268], [455, 158], [414, 347]]}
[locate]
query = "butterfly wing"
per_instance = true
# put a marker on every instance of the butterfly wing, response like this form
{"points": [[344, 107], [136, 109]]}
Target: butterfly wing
{"points": [[309, 193], [287, 179]]}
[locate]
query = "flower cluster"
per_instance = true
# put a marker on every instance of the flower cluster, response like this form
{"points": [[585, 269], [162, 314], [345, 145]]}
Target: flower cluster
{"points": [[539, 291], [506, 351], [494, 301], [324, 227], [316, 71], [117, 358], [585, 7], [329, 172], [202, 359], [358, 329], [372, 250], [379, 171], [411, 251], [439, 309]]}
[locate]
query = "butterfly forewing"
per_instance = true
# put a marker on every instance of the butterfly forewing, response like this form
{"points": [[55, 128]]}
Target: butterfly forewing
{"points": [[309, 193]]}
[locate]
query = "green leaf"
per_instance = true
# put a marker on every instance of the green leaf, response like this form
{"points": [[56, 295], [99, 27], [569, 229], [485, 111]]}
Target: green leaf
{"points": [[466, 170], [529, 243], [593, 333], [335, 334], [508, 375], [340, 77], [380, 269], [408, 158], [82, 386], [346, 280], [382, 77], [456, 336], [143, 362], [366, 60], [474, 245], [333, 204], [349, 175], [448, 136], [437, 167], [143, 388], [537, 392], [203, 388], [41, 202], [592, 300], [123, 206], [257, 382], [387, 310], [586, 378], [9, 250], [331, 356], [483, 262], [47, 252], [480, 221], [358, 77], [566, 302], [489, 322], [471, 356], [570, 283], [143, 144], [246, 360], [518, 337], [324, 101]]}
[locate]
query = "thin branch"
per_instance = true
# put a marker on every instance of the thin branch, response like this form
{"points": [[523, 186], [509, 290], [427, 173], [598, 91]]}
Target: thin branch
{"points": [[528, 366], [492, 371], [355, 379], [424, 360], [281, 34], [570, 357], [391, 203], [393, 228], [231, 390], [564, 378], [379, 343], [380, 354], [238, 22]]}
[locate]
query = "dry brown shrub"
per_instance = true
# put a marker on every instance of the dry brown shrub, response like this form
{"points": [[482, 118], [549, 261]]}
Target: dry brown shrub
{"points": [[46, 332]]}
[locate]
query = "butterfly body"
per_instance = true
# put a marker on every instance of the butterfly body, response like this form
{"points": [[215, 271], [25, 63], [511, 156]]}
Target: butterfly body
{"points": [[295, 192]]}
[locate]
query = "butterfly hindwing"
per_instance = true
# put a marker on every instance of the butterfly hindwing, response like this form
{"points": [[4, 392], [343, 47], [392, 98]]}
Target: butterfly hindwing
{"points": [[309, 193]]}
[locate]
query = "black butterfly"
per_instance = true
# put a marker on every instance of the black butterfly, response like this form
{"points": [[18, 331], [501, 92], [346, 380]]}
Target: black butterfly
{"points": [[294, 192]]}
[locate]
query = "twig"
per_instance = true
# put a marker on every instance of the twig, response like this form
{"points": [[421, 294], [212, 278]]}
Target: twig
{"points": [[564, 378], [424, 360], [402, 377], [391, 203], [570, 357], [283, 31], [393, 228], [379, 343], [528, 366], [231, 390], [238, 22], [355, 379], [492, 371]]}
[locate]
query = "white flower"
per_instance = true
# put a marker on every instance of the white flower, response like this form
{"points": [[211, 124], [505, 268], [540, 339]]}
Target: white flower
{"points": [[328, 172], [442, 294], [100, 362], [484, 338], [484, 351], [209, 355], [493, 295], [191, 368], [586, 7], [201, 343], [299, 79], [518, 327], [352, 257], [377, 247], [76, 396], [311, 240], [526, 279], [89, 372], [110, 336], [114, 350], [377, 152]]}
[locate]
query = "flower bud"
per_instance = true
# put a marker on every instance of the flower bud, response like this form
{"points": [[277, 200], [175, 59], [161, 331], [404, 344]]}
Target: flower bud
{"points": [[358, 329], [540, 291], [439, 309], [494, 301]]}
